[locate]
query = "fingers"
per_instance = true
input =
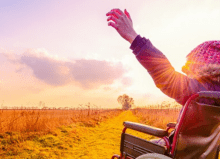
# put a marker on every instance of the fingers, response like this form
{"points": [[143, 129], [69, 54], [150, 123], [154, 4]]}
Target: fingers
{"points": [[112, 18], [113, 13], [112, 24], [127, 14], [118, 11]]}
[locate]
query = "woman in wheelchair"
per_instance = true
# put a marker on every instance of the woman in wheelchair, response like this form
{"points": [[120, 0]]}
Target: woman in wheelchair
{"points": [[202, 69]]}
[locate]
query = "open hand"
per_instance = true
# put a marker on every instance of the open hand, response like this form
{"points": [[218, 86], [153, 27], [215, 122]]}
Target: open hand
{"points": [[122, 23]]}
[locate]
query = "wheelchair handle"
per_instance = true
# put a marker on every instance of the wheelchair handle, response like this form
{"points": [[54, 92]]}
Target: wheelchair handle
{"points": [[146, 129]]}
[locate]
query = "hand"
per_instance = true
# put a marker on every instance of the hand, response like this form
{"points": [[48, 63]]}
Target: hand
{"points": [[122, 23]]}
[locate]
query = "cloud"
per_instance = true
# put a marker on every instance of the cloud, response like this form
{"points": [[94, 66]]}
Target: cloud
{"points": [[46, 68], [58, 72], [94, 72]]}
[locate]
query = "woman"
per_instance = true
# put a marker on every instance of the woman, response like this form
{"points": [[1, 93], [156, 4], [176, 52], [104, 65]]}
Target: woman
{"points": [[202, 68]]}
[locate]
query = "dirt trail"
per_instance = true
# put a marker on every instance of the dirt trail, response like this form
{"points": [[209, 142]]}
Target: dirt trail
{"points": [[104, 140]]}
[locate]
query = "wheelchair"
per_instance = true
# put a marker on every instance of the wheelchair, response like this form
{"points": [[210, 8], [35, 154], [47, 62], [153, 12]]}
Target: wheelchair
{"points": [[196, 134]]}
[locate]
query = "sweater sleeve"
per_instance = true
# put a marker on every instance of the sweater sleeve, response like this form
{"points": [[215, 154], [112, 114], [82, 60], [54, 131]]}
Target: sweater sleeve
{"points": [[169, 81]]}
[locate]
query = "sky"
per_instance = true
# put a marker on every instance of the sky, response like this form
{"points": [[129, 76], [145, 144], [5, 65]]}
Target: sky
{"points": [[63, 53]]}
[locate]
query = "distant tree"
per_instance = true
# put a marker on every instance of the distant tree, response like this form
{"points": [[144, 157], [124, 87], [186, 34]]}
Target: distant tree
{"points": [[125, 101]]}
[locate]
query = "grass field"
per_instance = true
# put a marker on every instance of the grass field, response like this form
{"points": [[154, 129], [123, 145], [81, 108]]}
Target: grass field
{"points": [[46, 133], [44, 120], [86, 134], [156, 117]]}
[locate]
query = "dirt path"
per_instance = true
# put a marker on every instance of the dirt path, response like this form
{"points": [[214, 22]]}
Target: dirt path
{"points": [[104, 140]]}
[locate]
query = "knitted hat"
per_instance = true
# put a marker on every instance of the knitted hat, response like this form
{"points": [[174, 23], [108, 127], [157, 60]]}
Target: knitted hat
{"points": [[204, 61]]}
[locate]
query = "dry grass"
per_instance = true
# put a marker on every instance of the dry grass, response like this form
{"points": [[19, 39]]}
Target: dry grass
{"points": [[73, 141], [156, 117], [31, 133], [47, 120], [58, 133]]}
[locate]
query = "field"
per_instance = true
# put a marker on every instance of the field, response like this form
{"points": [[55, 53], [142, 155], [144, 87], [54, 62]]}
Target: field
{"points": [[79, 133], [46, 120], [156, 117]]}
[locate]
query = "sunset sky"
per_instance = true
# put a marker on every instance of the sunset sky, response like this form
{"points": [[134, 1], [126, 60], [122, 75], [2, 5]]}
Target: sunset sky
{"points": [[64, 54]]}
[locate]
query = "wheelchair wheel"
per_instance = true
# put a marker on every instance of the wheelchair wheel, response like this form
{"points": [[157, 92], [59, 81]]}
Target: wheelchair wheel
{"points": [[153, 156]]}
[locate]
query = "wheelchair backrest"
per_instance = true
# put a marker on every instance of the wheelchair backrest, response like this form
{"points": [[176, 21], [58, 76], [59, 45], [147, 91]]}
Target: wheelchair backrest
{"points": [[198, 130]]}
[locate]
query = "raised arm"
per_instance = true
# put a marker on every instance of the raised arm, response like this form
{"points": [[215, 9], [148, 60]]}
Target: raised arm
{"points": [[169, 81]]}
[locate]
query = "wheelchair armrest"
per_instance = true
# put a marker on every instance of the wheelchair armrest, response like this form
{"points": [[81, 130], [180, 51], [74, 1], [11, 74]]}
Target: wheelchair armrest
{"points": [[146, 129], [210, 94], [171, 125]]}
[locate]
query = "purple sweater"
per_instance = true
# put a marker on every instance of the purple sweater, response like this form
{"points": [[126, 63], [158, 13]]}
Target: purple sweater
{"points": [[172, 83]]}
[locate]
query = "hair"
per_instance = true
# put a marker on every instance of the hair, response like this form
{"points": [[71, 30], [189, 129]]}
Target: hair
{"points": [[203, 62]]}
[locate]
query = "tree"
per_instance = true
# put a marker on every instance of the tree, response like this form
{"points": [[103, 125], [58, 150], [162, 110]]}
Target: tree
{"points": [[125, 101]]}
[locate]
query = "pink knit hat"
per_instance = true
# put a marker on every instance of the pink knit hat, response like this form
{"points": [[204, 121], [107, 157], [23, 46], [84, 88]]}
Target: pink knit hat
{"points": [[204, 61]]}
